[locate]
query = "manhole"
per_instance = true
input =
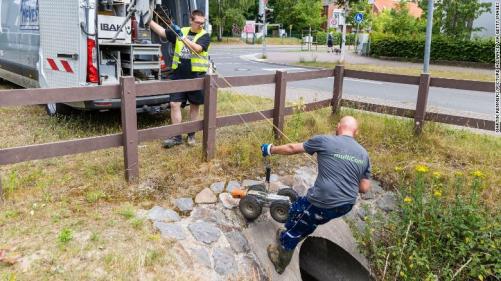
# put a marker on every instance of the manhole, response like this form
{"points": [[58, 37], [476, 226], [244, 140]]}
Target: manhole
{"points": [[323, 260]]}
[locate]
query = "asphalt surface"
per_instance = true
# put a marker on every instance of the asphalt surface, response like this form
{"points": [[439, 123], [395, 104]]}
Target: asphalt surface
{"points": [[236, 61]]}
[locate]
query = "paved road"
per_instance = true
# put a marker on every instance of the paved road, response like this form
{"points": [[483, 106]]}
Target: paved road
{"points": [[235, 62]]}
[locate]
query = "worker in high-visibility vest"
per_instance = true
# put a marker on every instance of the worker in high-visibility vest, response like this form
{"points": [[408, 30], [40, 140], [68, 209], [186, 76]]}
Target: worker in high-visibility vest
{"points": [[191, 60]]}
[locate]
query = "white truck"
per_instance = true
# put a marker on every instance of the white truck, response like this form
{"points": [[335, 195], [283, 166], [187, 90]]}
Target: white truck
{"points": [[77, 43]]}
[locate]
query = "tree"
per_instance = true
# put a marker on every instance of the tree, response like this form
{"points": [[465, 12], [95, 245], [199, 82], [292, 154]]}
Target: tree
{"points": [[225, 13], [398, 21], [301, 14], [455, 18]]}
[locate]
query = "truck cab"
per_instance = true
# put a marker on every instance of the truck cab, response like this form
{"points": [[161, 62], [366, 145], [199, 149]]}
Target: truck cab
{"points": [[85, 43]]}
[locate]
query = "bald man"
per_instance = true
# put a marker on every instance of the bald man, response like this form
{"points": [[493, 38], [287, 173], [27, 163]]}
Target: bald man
{"points": [[344, 170]]}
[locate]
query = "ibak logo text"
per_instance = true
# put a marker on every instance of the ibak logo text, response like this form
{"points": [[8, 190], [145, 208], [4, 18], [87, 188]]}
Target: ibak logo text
{"points": [[110, 27]]}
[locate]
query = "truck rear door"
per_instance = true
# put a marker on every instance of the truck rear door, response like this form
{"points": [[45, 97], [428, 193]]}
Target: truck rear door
{"points": [[62, 44]]}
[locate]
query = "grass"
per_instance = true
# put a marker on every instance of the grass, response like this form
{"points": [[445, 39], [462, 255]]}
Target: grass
{"points": [[86, 193], [415, 71]]}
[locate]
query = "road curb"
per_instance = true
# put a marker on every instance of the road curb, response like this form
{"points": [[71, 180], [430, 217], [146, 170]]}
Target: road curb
{"points": [[252, 57]]}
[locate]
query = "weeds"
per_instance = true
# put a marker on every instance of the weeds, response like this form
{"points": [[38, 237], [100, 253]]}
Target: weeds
{"points": [[127, 212], [444, 231], [152, 256], [94, 237], [94, 196], [297, 121], [65, 236], [137, 223], [9, 277]]}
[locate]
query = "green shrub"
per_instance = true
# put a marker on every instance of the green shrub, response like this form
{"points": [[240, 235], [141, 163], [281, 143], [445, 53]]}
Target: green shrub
{"points": [[442, 48], [442, 231]]}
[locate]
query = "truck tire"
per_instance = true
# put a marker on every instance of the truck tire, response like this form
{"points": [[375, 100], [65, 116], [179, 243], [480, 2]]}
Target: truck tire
{"points": [[279, 211], [54, 109], [250, 207], [289, 192]]}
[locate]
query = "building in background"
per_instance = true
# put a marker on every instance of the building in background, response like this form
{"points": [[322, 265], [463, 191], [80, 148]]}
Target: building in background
{"points": [[381, 5], [335, 16]]}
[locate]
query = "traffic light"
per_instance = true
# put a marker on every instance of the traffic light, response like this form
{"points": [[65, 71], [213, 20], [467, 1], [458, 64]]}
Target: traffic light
{"points": [[270, 18], [259, 18]]}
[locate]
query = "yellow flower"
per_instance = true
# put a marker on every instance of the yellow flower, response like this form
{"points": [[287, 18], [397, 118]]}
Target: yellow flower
{"points": [[398, 169], [437, 175], [478, 174], [422, 169], [407, 199], [458, 174], [437, 193]]}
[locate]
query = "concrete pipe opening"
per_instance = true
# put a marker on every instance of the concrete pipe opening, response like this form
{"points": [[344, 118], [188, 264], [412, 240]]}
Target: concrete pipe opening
{"points": [[321, 260]]}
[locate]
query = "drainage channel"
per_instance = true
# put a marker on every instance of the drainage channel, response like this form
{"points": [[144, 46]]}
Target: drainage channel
{"points": [[323, 260]]}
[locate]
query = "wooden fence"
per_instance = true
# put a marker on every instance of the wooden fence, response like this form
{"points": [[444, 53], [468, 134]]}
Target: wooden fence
{"points": [[128, 90]]}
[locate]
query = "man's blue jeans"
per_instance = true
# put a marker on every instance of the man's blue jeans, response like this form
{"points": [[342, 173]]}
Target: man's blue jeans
{"points": [[304, 218]]}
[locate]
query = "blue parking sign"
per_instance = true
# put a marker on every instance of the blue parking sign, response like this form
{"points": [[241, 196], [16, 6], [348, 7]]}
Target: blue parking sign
{"points": [[359, 17]]}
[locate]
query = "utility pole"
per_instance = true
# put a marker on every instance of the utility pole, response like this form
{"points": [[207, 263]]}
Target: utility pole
{"points": [[220, 27], [262, 15], [427, 45], [265, 30], [343, 35]]}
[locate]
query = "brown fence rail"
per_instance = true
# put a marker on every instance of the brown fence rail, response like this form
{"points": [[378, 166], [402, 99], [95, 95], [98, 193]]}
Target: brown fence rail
{"points": [[130, 138]]}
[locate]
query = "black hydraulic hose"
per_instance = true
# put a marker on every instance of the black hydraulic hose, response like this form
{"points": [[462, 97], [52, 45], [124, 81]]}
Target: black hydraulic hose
{"points": [[82, 26], [268, 174]]}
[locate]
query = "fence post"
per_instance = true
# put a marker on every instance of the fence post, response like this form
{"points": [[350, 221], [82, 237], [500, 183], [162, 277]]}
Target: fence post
{"points": [[337, 94], [422, 100], [210, 108], [129, 128], [279, 108]]}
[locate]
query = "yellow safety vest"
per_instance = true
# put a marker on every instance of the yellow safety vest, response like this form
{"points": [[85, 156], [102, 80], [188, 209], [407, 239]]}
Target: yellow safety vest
{"points": [[200, 62]]}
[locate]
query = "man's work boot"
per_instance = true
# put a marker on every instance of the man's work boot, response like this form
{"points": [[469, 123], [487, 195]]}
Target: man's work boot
{"points": [[279, 257], [170, 142], [280, 230], [191, 139]]}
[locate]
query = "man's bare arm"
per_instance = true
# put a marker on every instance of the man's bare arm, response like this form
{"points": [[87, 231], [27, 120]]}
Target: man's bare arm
{"points": [[288, 149], [160, 31], [192, 45], [364, 186]]}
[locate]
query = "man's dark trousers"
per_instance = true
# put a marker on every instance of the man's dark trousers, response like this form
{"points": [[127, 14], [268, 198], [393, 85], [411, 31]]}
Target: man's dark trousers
{"points": [[304, 218]]}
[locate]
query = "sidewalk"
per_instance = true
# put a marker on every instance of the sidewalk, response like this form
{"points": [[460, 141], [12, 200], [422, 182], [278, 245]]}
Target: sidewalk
{"points": [[294, 57]]}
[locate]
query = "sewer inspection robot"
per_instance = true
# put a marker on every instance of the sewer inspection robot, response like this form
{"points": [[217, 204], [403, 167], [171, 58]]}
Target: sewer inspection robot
{"points": [[253, 198]]}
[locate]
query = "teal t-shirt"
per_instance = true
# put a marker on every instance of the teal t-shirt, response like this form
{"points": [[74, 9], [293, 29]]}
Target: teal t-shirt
{"points": [[342, 163]]}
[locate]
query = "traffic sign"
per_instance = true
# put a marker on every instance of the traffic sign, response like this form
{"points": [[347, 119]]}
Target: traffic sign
{"points": [[333, 22], [359, 17]]}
